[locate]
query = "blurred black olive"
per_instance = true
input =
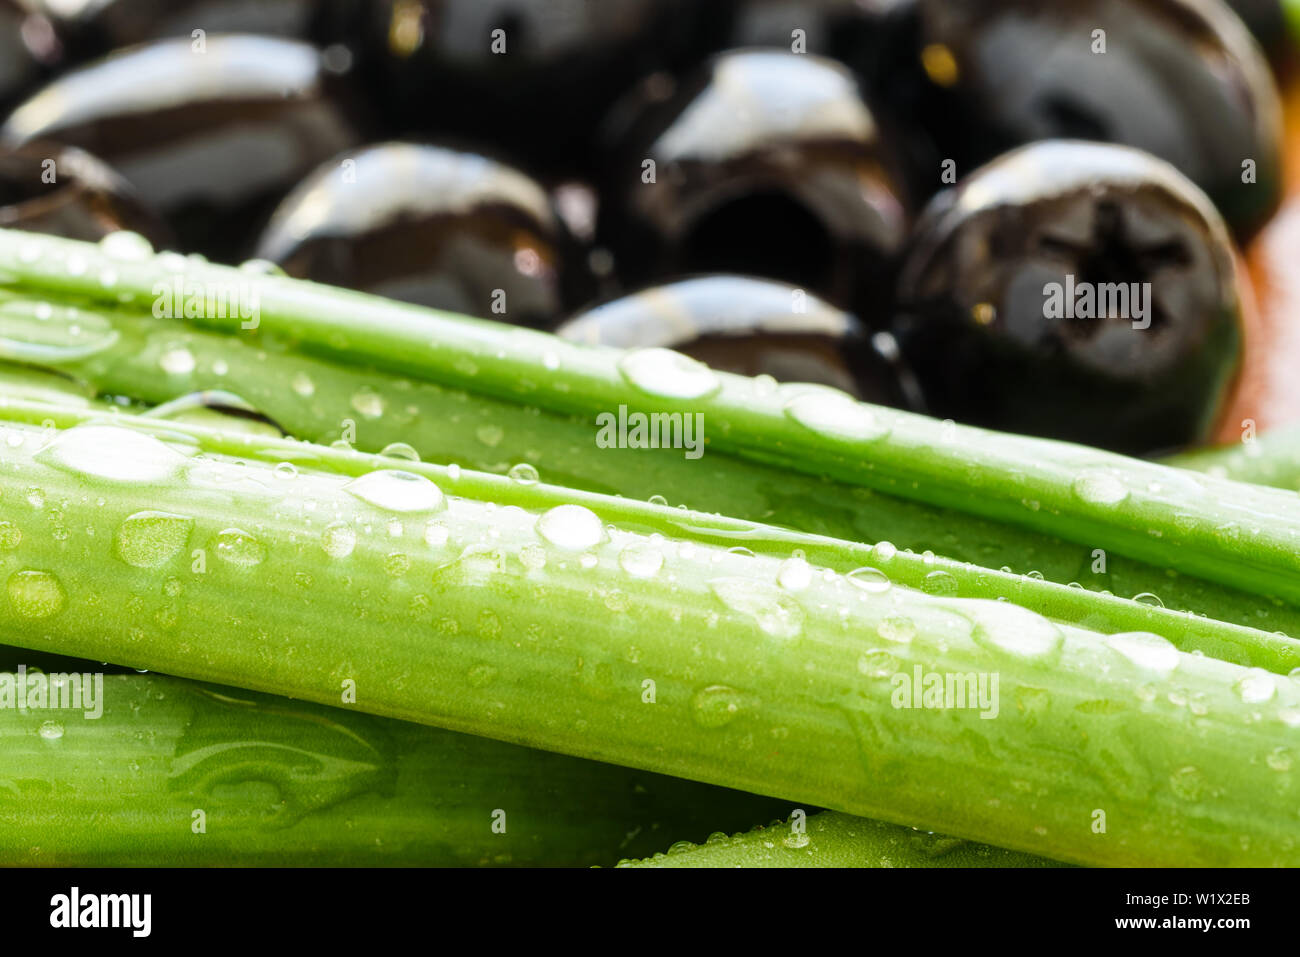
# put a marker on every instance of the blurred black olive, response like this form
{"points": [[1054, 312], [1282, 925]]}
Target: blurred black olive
{"points": [[766, 163], [1181, 79], [529, 76], [753, 327], [432, 226], [1266, 21], [63, 191], [28, 48], [211, 133], [93, 28], [1075, 290], [845, 30]]}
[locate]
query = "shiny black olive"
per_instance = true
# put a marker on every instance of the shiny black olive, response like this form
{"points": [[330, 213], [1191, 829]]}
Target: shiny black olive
{"points": [[63, 191], [1075, 290], [432, 226], [92, 28], [1181, 79], [210, 134], [766, 163], [28, 48], [753, 327], [529, 76], [1266, 21]]}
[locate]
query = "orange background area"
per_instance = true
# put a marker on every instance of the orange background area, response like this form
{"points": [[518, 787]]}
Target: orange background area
{"points": [[1269, 390]]}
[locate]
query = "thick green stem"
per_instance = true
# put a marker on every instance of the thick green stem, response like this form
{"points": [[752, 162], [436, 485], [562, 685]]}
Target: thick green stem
{"points": [[1271, 459], [925, 486], [599, 637], [172, 773]]}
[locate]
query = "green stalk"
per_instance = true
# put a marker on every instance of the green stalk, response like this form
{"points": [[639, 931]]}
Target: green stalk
{"points": [[532, 398], [283, 783], [830, 839], [599, 637], [1272, 459], [928, 573]]}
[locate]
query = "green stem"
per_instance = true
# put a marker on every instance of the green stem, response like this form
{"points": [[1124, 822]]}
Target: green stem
{"points": [[972, 497], [283, 783], [1272, 459], [831, 839], [595, 636]]}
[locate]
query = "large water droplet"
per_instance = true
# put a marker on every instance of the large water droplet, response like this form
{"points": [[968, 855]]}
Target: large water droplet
{"points": [[716, 706], [236, 547], [50, 730], [795, 574], [36, 331], [11, 536], [397, 491], [126, 246], [150, 539], [36, 594], [571, 527], [112, 454], [1100, 488], [897, 628], [524, 474], [836, 416], [877, 663], [940, 583], [671, 375], [1257, 687], [641, 560], [1148, 651], [1011, 630], [869, 579], [774, 611], [400, 450]]}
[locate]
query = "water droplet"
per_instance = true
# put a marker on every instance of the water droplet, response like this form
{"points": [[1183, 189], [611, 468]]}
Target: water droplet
{"points": [[36, 594], [1256, 687], [1147, 598], [869, 579], [126, 246], [671, 375], [51, 730], [11, 536], [897, 628], [1009, 629], [262, 267], [571, 527], [490, 435], [338, 540], [369, 403], [400, 450], [885, 550], [285, 471], [657, 500], [435, 534], [236, 547], [178, 361], [524, 474], [397, 491], [150, 539], [1100, 488], [303, 386], [716, 706], [1187, 783], [877, 663], [940, 583], [396, 564], [1147, 651], [533, 557], [774, 611], [1279, 759], [795, 574], [837, 416], [640, 560], [796, 840], [111, 454]]}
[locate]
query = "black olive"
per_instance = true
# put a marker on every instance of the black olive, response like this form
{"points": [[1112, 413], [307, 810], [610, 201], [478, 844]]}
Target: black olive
{"points": [[63, 191], [767, 163], [1075, 290], [846, 30], [1267, 21], [429, 225], [28, 48], [92, 28], [1181, 79], [529, 76], [211, 133], [753, 327]]}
